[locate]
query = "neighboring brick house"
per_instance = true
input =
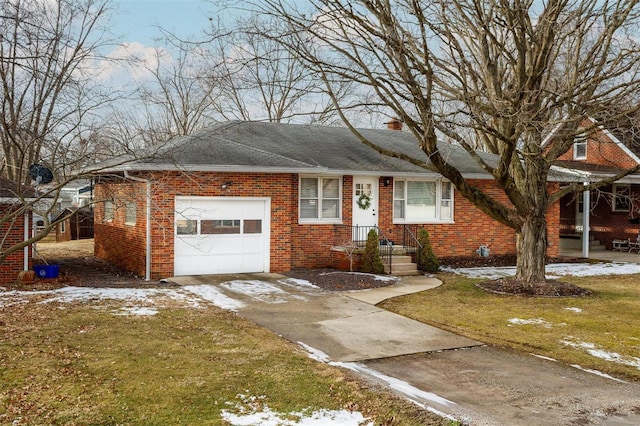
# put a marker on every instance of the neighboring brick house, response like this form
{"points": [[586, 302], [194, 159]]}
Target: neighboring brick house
{"points": [[251, 197], [614, 211], [14, 229]]}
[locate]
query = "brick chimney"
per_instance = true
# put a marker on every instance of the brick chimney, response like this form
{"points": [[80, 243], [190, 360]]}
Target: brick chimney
{"points": [[394, 124]]}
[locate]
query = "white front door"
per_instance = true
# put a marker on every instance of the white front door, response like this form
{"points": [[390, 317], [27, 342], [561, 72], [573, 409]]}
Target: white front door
{"points": [[365, 201]]}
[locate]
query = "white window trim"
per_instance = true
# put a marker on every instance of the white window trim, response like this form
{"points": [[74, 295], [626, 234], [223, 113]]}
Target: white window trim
{"points": [[614, 190], [581, 139], [436, 220], [332, 220], [575, 151]]}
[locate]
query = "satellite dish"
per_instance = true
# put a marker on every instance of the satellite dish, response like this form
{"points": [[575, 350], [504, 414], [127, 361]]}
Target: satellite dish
{"points": [[41, 174]]}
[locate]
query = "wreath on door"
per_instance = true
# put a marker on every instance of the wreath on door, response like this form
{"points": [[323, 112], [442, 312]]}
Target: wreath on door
{"points": [[364, 201]]}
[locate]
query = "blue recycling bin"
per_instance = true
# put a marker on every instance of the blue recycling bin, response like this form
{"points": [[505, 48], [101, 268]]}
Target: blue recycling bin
{"points": [[47, 271]]}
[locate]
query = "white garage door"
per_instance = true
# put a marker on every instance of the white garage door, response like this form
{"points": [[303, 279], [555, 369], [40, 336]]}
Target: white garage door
{"points": [[219, 235]]}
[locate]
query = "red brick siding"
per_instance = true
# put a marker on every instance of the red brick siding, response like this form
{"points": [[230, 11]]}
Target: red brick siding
{"points": [[602, 150], [166, 186], [470, 229], [119, 243], [293, 245], [14, 263], [605, 224]]}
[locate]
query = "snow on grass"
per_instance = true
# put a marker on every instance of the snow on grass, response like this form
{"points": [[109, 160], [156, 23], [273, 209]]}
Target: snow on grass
{"points": [[594, 351], [138, 310], [268, 417], [553, 270], [253, 411], [261, 291], [412, 393], [576, 310], [532, 321], [216, 297], [544, 357]]}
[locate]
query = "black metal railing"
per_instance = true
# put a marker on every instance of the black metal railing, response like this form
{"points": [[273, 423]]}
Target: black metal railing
{"points": [[410, 240], [359, 236]]}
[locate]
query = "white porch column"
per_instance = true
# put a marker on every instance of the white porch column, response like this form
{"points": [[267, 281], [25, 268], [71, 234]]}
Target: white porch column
{"points": [[586, 212]]}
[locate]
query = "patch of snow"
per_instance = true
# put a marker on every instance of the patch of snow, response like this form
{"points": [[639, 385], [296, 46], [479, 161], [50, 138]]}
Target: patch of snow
{"points": [[553, 270], [213, 295], [532, 321], [83, 294], [250, 413], [298, 282], [577, 310], [598, 373], [544, 357], [141, 311], [261, 291], [602, 354], [413, 394], [314, 353]]}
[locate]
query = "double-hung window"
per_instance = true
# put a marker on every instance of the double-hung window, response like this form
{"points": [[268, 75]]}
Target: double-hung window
{"points": [[418, 201], [320, 199], [580, 146], [621, 198]]}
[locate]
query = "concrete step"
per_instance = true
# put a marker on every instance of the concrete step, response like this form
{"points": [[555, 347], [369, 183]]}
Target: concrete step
{"points": [[576, 244], [402, 269]]}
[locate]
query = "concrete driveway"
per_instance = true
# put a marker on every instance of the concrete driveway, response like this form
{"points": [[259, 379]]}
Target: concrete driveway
{"points": [[345, 326], [437, 370]]}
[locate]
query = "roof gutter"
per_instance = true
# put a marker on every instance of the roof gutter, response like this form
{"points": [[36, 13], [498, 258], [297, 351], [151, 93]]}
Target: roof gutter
{"points": [[147, 272]]}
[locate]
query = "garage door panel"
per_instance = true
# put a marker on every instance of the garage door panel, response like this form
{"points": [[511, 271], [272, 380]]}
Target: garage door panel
{"points": [[232, 235]]}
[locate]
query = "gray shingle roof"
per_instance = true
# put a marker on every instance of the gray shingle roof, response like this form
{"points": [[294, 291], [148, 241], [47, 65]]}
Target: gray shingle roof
{"points": [[268, 147]]}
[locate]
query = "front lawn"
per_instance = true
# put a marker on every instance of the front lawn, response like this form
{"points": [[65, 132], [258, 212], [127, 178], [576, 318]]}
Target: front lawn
{"points": [[97, 363], [597, 332]]}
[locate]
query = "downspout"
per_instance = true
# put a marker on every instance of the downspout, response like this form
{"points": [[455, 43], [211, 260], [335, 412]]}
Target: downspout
{"points": [[26, 237], [586, 212], [147, 272]]}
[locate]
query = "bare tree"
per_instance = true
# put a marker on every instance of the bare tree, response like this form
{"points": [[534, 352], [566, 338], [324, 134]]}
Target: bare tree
{"points": [[505, 74], [259, 79], [182, 93], [46, 49], [51, 101]]}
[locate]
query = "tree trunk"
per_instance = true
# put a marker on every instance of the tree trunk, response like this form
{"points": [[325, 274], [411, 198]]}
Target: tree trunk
{"points": [[532, 249]]}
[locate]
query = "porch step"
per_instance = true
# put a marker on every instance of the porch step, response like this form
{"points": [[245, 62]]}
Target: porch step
{"points": [[576, 244], [402, 266]]}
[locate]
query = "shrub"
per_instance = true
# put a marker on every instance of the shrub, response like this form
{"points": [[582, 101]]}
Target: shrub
{"points": [[427, 261], [371, 261]]}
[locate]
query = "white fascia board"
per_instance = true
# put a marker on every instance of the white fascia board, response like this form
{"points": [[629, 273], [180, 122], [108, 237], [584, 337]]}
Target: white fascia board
{"points": [[550, 136], [296, 170], [622, 146]]}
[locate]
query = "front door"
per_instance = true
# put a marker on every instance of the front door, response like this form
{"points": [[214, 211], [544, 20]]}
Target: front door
{"points": [[365, 204]]}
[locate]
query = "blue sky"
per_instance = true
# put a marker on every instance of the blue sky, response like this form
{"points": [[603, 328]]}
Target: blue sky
{"points": [[135, 20]]}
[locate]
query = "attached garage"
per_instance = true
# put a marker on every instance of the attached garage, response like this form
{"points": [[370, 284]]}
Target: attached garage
{"points": [[219, 235]]}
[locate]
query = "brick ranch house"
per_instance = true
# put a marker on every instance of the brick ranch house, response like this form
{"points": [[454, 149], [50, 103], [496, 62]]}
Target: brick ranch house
{"points": [[614, 210], [265, 197], [14, 232]]}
